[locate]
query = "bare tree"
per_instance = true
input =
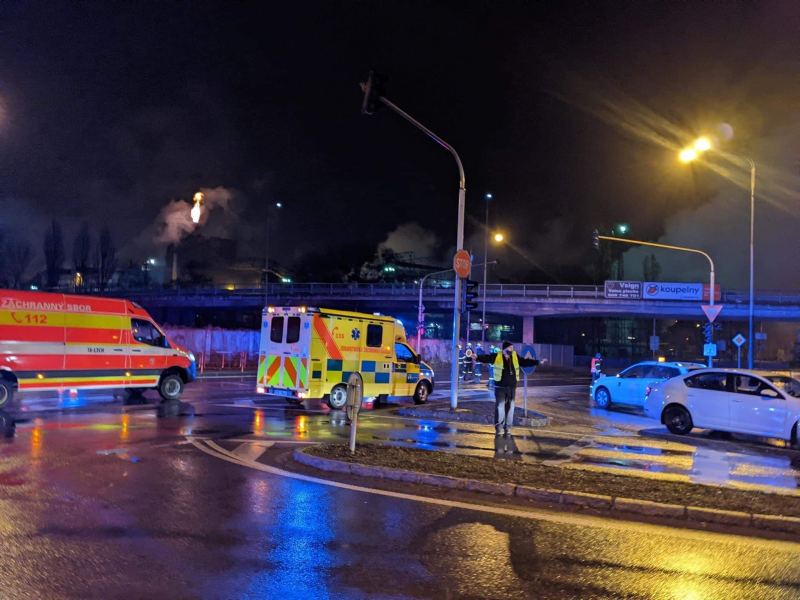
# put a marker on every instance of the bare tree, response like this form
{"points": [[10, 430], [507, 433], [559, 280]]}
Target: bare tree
{"points": [[105, 259], [655, 268], [82, 250], [53, 253], [651, 268], [19, 257]]}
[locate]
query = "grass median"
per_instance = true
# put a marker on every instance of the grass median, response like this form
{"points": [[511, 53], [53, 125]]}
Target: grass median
{"points": [[557, 478]]}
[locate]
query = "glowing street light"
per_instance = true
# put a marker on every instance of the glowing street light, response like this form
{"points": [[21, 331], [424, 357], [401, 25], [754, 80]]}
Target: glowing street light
{"points": [[499, 237], [702, 144], [623, 229], [688, 155]]}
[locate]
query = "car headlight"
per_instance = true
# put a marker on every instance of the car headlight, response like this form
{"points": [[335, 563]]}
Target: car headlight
{"points": [[191, 356]]}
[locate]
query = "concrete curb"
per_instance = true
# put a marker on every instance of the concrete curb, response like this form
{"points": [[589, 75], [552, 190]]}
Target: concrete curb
{"points": [[581, 499], [444, 414]]}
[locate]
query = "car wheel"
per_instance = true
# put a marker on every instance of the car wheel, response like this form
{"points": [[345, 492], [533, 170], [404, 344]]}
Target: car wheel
{"points": [[602, 397], [338, 397], [6, 393], [421, 393], [170, 387], [678, 420]]}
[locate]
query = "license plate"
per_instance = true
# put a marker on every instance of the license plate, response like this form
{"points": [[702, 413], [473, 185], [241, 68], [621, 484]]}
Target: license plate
{"points": [[288, 393]]}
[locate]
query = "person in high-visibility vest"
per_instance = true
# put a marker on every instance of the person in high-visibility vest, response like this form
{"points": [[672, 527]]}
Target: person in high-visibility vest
{"points": [[478, 352], [506, 375], [597, 366]]}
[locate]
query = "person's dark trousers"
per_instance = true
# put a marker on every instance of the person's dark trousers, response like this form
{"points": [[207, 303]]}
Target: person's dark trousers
{"points": [[503, 409]]}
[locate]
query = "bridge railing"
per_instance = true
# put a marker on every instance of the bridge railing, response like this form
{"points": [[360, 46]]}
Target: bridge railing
{"points": [[441, 289]]}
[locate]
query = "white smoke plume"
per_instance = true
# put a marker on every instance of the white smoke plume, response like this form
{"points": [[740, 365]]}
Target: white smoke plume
{"points": [[411, 237], [219, 216]]}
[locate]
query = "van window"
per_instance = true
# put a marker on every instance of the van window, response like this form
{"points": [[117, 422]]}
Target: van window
{"points": [[145, 332], [403, 354], [276, 333], [374, 336], [292, 330]]}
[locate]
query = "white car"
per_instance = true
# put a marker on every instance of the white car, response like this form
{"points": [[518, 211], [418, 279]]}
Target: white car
{"points": [[734, 400], [629, 386]]}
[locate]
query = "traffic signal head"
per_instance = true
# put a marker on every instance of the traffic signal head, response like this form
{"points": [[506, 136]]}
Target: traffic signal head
{"points": [[469, 292], [596, 239], [708, 329], [373, 90]]}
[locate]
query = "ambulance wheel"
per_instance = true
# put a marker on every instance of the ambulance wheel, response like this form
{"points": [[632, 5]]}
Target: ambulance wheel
{"points": [[170, 387], [6, 392], [135, 392], [421, 393], [338, 397], [380, 400]]}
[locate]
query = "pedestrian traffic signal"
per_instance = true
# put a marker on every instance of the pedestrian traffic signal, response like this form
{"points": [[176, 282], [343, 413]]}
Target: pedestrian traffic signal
{"points": [[373, 90], [468, 294], [708, 330], [596, 240]]}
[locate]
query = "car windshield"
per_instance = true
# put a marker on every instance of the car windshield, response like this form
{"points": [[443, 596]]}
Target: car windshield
{"points": [[788, 384]]}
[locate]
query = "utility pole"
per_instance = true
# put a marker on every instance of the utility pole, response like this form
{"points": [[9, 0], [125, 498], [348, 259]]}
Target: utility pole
{"points": [[373, 97]]}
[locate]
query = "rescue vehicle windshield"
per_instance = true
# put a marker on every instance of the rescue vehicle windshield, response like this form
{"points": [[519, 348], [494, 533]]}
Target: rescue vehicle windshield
{"points": [[146, 332]]}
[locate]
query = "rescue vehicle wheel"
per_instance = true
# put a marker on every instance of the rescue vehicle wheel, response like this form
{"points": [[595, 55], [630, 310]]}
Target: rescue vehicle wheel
{"points": [[421, 393], [6, 392], [135, 392], [338, 397], [170, 387], [380, 400], [294, 401]]}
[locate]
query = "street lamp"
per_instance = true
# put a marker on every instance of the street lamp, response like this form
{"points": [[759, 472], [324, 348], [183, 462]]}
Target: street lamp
{"points": [[690, 154], [498, 237], [485, 268]]}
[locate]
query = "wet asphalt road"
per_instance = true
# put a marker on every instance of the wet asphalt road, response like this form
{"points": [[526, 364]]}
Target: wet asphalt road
{"points": [[106, 502]]}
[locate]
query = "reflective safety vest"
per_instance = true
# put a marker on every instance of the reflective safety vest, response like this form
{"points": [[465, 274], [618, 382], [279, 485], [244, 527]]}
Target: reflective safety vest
{"points": [[596, 364], [498, 365]]}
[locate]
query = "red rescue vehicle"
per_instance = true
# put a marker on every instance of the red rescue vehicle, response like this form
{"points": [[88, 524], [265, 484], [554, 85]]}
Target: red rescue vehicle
{"points": [[57, 342]]}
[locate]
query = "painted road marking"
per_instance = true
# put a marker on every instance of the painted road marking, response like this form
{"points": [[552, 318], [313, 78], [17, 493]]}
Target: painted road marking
{"points": [[253, 452], [216, 451], [570, 451]]}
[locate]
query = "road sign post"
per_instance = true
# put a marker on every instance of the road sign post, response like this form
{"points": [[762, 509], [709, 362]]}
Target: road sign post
{"points": [[527, 351], [739, 340], [355, 395]]}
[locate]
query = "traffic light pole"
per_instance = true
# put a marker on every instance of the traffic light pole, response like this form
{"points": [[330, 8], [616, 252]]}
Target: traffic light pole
{"points": [[462, 193], [712, 282]]}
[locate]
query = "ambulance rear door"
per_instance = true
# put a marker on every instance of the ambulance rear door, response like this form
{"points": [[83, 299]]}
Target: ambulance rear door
{"points": [[284, 354]]}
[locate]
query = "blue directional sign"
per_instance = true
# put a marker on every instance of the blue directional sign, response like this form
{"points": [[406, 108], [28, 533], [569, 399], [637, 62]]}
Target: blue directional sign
{"points": [[528, 352]]}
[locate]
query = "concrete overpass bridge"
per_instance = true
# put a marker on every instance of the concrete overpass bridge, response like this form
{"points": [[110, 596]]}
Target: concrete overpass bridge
{"points": [[520, 300]]}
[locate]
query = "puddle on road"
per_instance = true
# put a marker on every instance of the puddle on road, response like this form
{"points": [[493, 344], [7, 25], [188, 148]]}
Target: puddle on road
{"points": [[681, 462]]}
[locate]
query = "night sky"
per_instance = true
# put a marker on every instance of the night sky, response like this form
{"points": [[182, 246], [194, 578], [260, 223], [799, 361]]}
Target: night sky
{"points": [[571, 114]]}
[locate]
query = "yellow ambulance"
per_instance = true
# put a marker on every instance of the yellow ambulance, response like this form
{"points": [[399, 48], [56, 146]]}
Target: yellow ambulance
{"points": [[311, 352]]}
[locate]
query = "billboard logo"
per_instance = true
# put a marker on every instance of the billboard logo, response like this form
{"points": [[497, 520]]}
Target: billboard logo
{"points": [[652, 289]]}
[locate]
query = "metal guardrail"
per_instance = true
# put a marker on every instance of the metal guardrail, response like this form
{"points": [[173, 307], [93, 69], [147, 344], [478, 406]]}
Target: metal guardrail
{"points": [[377, 290]]}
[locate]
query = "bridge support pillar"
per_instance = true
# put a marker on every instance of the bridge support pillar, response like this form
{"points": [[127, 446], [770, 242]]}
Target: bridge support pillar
{"points": [[527, 330]]}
